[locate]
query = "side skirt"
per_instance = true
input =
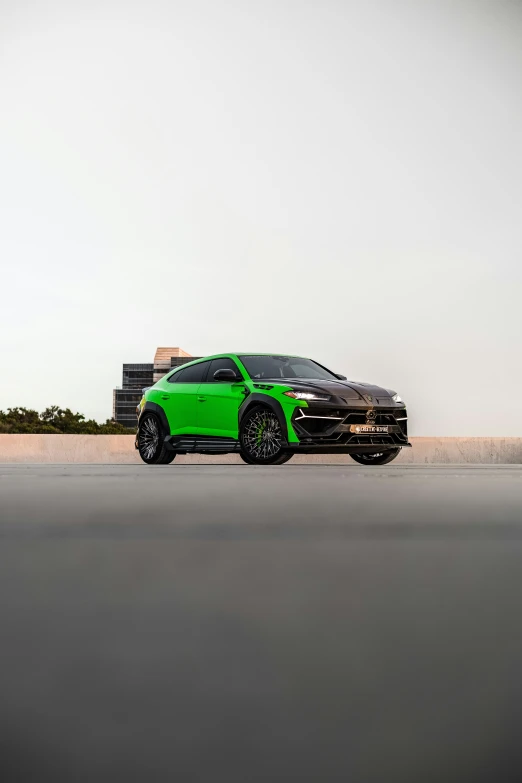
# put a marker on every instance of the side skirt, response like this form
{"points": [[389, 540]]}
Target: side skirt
{"points": [[201, 444]]}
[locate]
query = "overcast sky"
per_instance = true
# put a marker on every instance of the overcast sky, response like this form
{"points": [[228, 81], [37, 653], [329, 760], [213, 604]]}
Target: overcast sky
{"points": [[341, 180]]}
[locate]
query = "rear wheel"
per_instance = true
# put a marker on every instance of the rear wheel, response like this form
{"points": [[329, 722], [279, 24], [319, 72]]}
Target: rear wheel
{"points": [[261, 437], [378, 458], [151, 446]]}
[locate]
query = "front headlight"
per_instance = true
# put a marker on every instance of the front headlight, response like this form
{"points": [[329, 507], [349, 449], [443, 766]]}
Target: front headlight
{"points": [[397, 398], [300, 395]]}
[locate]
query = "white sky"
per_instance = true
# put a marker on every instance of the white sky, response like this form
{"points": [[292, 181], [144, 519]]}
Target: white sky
{"points": [[341, 180]]}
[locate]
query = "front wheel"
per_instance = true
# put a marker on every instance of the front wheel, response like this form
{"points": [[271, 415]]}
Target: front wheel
{"points": [[378, 458], [260, 437], [151, 446]]}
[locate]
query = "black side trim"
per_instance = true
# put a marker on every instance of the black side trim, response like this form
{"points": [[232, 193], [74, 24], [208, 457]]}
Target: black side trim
{"points": [[152, 407], [201, 444], [263, 399]]}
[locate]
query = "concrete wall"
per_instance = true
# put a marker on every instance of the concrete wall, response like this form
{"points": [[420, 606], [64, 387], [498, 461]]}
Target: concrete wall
{"points": [[120, 449]]}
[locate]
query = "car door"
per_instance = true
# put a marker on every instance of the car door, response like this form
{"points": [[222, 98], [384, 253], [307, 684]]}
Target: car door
{"points": [[178, 398], [219, 401]]}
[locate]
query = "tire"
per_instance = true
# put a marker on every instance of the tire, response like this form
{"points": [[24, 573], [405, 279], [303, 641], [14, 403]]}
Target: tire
{"points": [[284, 458], [260, 437], [151, 447], [168, 457], [379, 458]]}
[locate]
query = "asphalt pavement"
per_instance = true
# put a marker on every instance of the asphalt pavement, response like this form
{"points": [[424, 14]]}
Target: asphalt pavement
{"points": [[294, 624]]}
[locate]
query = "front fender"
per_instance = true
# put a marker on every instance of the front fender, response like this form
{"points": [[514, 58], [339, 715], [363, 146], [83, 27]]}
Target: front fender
{"points": [[255, 399]]}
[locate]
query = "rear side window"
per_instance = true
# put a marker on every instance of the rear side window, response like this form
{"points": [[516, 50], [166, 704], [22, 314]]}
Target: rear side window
{"points": [[221, 364], [175, 377], [194, 374]]}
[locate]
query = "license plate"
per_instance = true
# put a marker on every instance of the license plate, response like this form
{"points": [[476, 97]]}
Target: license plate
{"points": [[369, 429]]}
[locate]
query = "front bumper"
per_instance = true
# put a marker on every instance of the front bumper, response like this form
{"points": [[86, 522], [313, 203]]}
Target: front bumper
{"points": [[328, 429]]}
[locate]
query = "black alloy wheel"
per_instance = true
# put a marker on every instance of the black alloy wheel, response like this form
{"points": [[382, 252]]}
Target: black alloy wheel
{"points": [[151, 445], [378, 458], [260, 437]]}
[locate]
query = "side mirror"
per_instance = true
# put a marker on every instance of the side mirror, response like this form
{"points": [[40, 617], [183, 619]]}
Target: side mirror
{"points": [[225, 375], [340, 377]]}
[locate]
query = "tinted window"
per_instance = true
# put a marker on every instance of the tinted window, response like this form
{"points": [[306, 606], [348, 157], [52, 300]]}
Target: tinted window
{"points": [[193, 374], [221, 364], [285, 367]]}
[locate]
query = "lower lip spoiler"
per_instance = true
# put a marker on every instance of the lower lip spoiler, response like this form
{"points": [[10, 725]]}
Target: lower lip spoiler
{"points": [[342, 448]]}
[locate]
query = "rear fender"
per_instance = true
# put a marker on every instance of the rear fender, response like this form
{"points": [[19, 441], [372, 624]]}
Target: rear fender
{"points": [[153, 407]]}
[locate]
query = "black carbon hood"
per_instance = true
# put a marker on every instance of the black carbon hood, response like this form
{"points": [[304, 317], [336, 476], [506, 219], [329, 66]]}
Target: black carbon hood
{"points": [[348, 390]]}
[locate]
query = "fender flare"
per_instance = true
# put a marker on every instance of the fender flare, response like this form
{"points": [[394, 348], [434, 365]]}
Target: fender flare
{"points": [[263, 399]]}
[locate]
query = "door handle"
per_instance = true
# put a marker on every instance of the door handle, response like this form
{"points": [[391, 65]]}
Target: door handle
{"points": [[165, 397], [202, 399]]}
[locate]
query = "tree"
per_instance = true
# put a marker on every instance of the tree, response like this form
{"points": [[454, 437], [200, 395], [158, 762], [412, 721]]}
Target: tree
{"points": [[56, 420]]}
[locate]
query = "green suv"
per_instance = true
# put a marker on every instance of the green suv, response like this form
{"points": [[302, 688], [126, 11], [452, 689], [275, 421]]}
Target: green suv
{"points": [[266, 408]]}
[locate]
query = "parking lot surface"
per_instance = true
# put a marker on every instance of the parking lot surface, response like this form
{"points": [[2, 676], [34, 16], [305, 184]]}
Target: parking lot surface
{"points": [[242, 624]]}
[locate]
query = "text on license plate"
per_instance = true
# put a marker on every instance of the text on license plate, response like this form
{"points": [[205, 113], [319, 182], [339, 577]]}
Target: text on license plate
{"points": [[368, 429]]}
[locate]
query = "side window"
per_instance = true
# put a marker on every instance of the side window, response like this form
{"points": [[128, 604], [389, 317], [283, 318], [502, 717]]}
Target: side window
{"points": [[221, 364], [194, 374], [176, 376]]}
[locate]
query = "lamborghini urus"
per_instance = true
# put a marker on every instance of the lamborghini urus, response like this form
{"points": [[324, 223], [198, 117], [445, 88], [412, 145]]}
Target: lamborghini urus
{"points": [[266, 408]]}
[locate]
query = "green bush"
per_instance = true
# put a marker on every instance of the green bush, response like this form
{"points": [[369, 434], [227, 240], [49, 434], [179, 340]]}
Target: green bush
{"points": [[57, 421]]}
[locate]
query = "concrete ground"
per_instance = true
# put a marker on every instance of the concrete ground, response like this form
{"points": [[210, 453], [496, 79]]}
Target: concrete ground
{"points": [[301, 623]]}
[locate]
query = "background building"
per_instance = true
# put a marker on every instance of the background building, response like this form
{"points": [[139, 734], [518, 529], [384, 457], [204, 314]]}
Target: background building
{"points": [[165, 358], [137, 377]]}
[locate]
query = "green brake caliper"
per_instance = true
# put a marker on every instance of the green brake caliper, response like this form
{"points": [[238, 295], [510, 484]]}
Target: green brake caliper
{"points": [[260, 432]]}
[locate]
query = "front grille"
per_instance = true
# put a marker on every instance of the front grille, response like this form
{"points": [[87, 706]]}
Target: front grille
{"points": [[360, 418], [333, 426]]}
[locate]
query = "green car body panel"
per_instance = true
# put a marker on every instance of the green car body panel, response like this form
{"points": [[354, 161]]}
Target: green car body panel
{"points": [[212, 409]]}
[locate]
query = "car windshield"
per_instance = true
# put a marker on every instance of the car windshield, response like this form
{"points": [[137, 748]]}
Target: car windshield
{"points": [[284, 367]]}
